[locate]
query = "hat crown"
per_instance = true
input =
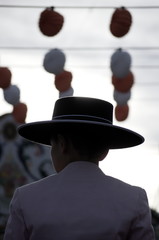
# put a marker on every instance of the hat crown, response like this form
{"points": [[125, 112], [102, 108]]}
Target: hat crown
{"points": [[83, 108]]}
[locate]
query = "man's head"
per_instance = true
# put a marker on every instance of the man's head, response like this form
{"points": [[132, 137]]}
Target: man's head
{"points": [[77, 146]]}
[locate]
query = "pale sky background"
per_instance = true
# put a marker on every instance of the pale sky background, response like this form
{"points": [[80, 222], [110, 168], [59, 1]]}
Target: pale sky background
{"points": [[22, 49]]}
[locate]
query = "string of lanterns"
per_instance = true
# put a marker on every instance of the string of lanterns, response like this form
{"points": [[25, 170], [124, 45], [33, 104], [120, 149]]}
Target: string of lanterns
{"points": [[120, 64], [50, 24], [54, 62], [11, 94]]}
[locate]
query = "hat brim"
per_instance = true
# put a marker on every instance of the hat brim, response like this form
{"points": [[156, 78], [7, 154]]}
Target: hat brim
{"points": [[116, 137]]}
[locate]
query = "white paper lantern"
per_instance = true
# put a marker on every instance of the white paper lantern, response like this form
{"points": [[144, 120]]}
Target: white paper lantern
{"points": [[12, 94], [121, 98], [54, 61], [67, 93], [120, 63]]}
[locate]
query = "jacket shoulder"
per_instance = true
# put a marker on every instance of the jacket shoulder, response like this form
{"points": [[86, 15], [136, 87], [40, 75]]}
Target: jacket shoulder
{"points": [[126, 192], [39, 185]]}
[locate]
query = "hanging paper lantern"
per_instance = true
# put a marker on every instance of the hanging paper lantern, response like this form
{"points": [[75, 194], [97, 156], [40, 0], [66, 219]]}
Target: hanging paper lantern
{"points": [[54, 61], [19, 112], [121, 98], [5, 77], [123, 84], [50, 22], [120, 63], [67, 93], [63, 81], [121, 112], [12, 94], [120, 22]]}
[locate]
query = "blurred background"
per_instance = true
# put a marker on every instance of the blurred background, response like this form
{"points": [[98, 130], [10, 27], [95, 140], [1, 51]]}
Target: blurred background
{"points": [[88, 45]]}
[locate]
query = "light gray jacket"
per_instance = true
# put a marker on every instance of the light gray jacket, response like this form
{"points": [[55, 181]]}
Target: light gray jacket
{"points": [[79, 203]]}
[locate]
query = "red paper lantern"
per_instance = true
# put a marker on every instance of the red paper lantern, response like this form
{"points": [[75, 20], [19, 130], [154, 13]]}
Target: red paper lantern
{"points": [[19, 112], [63, 81], [121, 112], [123, 84], [120, 22], [50, 22], [5, 77]]}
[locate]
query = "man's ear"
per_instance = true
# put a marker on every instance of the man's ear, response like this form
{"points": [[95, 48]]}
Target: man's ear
{"points": [[63, 145]]}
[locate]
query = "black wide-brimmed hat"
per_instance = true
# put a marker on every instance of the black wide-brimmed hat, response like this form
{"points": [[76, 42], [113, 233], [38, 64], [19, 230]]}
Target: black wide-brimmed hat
{"points": [[82, 113]]}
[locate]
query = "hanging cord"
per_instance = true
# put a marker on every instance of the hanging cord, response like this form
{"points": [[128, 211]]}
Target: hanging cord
{"points": [[79, 7]]}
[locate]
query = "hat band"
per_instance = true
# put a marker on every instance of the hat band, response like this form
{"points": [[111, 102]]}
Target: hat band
{"points": [[83, 117]]}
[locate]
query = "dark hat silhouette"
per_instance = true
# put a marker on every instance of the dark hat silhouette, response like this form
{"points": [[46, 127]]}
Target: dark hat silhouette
{"points": [[82, 113]]}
